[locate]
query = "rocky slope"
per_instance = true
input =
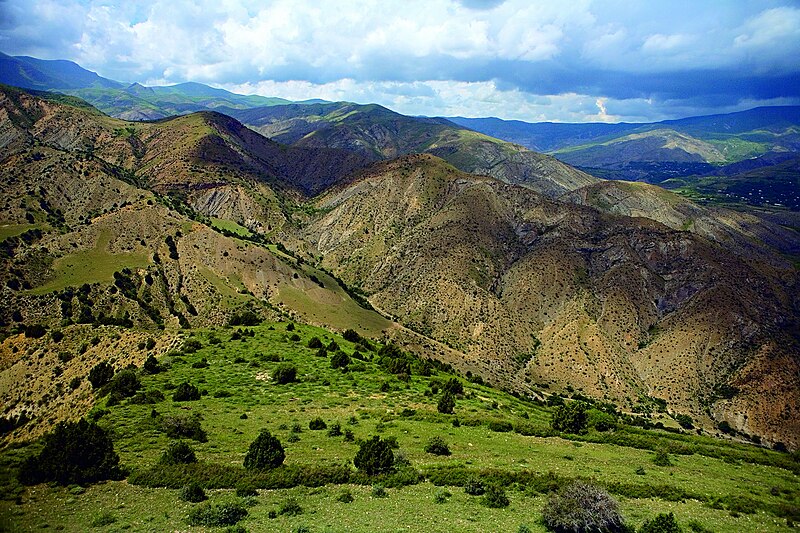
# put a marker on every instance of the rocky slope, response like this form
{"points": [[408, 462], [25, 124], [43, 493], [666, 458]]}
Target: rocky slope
{"points": [[378, 133], [538, 294]]}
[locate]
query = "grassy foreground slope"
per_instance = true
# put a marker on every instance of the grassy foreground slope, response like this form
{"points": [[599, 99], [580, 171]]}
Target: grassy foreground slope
{"points": [[710, 485]]}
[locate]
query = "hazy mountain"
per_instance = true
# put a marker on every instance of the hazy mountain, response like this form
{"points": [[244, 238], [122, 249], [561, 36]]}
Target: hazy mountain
{"points": [[656, 152], [378, 133], [128, 101]]}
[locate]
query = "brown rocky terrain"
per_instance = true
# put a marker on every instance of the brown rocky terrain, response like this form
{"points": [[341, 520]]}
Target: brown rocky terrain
{"points": [[539, 294]]}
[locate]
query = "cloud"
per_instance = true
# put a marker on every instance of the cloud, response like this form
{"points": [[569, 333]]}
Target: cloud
{"points": [[697, 53]]}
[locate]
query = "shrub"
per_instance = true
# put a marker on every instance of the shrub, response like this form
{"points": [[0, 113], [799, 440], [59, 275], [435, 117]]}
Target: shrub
{"points": [[193, 493], [295, 337], [374, 457], [685, 421], [290, 507], [125, 383], [191, 345], [454, 386], [317, 424], [340, 360], [474, 487], [501, 426], [246, 489], [151, 365], [178, 453], [285, 373], [441, 496], [335, 430], [570, 418], [245, 318], [314, 343], [184, 426], [661, 458], [351, 335], [446, 403], [663, 523], [437, 446], [56, 335], [345, 496], [378, 491], [35, 331], [582, 507], [74, 452], [495, 497], [105, 518], [185, 392], [100, 374], [600, 420], [217, 514], [265, 452]]}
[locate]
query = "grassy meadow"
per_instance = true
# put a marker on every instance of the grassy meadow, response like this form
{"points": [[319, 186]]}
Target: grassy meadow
{"points": [[710, 485]]}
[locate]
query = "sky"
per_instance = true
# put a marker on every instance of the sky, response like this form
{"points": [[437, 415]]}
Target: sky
{"points": [[532, 60]]}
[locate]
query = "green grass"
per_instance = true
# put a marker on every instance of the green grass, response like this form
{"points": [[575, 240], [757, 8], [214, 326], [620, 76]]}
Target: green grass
{"points": [[12, 230], [231, 226], [90, 266], [237, 383]]}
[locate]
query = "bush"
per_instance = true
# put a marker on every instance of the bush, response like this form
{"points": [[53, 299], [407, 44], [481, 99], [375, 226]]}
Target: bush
{"points": [[184, 426], [185, 392], [441, 496], [151, 365], [663, 523], [351, 335], [335, 430], [454, 386], [75, 452], [374, 457], [501, 426], [178, 453], [474, 487], [340, 360], [290, 507], [582, 507], [446, 403], [314, 343], [245, 318], [661, 458], [317, 424], [246, 489], [345, 496], [217, 514], [378, 491], [193, 493], [125, 383], [437, 446], [285, 373], [100, 374], [570, 418], [495, 497], [265, 452], [685, 421], [600, 420]]}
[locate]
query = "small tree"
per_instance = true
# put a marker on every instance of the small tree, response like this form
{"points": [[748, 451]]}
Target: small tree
{"points": [[340, 360], [446, 403], [75, 452], [582, 507], [437, 446], [185, 392], [193, 493], [151, 365], [285, 373], [570, 418], [454, 386], [178, 453], [495, 497], [100, 374], [374, 457], [125, 383], [265, 452], [663, 523], [685, 421]]}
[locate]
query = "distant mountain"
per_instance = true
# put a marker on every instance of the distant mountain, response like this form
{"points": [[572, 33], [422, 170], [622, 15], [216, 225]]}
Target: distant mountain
{"points": [[660, 151], [379, 133], [127, 101]]}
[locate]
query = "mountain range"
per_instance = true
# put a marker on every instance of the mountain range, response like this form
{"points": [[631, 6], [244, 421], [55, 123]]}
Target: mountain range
{"points": [[480, 253]]}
